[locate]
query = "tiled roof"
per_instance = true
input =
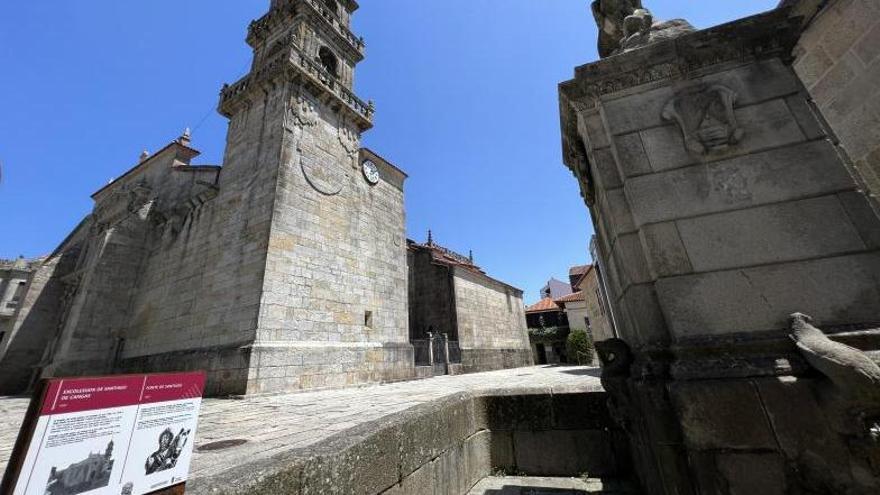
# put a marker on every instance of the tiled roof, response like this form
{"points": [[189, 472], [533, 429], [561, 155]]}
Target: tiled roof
{"points": [[545, 304], [581, 276], [577, 296], [446, 256], [579, 270]]}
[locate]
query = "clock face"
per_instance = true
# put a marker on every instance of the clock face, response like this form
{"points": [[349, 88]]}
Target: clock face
{"points": [[371, 172]]}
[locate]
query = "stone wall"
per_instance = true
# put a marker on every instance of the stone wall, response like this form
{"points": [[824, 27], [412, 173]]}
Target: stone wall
{"points": [[721, 208], [286, 272], [696, 235], [446, 447], [491, 323], [577, 315], [431, 297], [838, 59], [334, 304], [600, 321], [31, 326]]}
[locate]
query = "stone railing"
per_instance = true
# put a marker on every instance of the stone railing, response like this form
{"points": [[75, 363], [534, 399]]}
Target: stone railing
{"points": [[333, 19], [302, 61], [314, 69]]}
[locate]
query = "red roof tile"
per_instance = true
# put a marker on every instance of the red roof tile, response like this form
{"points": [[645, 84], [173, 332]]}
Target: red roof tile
{"points": [[577, 296], [545, 304]]}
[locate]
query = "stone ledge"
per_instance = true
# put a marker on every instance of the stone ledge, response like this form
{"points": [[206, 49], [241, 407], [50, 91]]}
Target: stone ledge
{"points": [[454, 442]]}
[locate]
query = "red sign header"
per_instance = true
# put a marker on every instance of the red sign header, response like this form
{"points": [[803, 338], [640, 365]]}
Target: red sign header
{"points": [[68, 395]]}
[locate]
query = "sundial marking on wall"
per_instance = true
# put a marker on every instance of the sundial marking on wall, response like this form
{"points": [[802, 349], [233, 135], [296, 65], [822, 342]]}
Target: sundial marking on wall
{"points": [[323, 178]]}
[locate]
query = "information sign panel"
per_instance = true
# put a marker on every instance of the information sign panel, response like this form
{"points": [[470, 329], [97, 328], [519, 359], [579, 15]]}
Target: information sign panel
{"points": [[119, 435]]}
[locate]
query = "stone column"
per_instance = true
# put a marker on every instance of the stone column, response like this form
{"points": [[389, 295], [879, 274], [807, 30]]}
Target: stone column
{"points": [[431, 337], [721, 207]]}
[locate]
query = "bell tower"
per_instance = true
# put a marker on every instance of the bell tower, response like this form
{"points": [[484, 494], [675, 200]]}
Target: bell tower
{"points": [[326, 216]]}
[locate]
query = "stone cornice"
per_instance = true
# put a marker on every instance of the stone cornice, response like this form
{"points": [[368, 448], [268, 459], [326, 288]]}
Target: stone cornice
{"points": [[290, 64], [764, 36], [280, 17], [346, 35]]}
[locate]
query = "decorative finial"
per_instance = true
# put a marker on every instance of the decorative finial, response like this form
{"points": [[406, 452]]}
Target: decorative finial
{"points": [[471, 256], [186, 137], [144, 155], [430, 238]]}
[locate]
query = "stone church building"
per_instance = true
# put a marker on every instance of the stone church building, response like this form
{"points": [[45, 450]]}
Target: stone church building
{"points": [[284, 270]]}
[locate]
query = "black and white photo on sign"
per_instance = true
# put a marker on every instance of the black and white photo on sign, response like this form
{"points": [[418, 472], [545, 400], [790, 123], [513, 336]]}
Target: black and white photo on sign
{"points": [[170, 447], [82, 476]]}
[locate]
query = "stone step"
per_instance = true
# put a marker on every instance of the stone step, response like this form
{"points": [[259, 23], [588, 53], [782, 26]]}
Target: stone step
{"points": [[527, 485]]}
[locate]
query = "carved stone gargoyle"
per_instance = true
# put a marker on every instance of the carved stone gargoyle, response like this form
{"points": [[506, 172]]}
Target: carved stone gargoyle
{"points": [[851, 396], [616, 358]]}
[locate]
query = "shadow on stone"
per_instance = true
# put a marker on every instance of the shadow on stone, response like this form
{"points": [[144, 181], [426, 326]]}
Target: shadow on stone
{"points": [[596, 372]]}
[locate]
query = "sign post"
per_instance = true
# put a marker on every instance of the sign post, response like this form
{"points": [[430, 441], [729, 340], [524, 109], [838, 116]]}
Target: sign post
{"points": [[115, 435]]}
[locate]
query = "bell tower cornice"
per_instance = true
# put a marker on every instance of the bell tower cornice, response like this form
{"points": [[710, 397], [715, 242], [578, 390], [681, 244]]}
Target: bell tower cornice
{"points": [[303, 43], [320, 16]]}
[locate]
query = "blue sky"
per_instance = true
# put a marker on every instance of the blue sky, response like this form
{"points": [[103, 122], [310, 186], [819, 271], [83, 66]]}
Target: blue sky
{"points": [[465, 92]]}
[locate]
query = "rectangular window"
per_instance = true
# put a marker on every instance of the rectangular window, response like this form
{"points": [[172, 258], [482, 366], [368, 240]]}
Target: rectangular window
{"points": [[368, 319], [587, 321], [2, 335], [17, 295], [120, 348]]}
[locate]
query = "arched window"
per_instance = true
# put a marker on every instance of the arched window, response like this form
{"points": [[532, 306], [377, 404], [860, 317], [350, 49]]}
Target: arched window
{"points": [[328, 61]]}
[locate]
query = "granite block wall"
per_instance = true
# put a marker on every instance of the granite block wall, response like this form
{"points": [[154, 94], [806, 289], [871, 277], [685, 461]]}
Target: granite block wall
{"points": [[680, 232], [431, 297], [491, 320], [723, 205], [838, 60]]}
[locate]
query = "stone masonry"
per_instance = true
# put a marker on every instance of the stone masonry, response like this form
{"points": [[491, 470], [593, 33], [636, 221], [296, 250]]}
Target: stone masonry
{"points": [[485, 317], [722, 206], [283, 270], [838, 60]]}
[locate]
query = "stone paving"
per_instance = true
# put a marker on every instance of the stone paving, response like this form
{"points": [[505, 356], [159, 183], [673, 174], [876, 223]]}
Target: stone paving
{"points": [[274, 424]]}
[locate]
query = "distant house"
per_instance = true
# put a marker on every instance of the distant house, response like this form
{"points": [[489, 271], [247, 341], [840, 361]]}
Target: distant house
{"points": [[575, 274], [587, 308], [548, 330], [554, 289]]}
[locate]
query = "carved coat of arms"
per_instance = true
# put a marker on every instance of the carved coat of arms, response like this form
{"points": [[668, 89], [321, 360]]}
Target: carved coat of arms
{"points": [[706, 117]]}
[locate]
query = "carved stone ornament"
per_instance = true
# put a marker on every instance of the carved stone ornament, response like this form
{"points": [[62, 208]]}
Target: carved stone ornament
{"points": [[849, 395], [325, 178], [575, 151], [626, 25], [301, 112], [706, 117], [349, 138]]}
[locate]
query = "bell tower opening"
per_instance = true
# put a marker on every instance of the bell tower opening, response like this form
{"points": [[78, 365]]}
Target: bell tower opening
{"points": [[328, 61]]}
